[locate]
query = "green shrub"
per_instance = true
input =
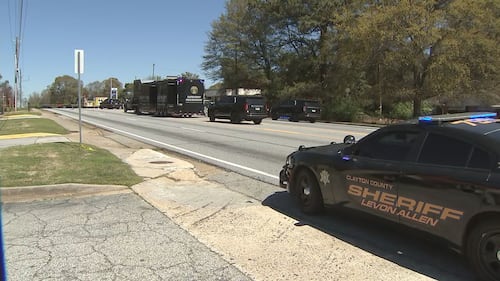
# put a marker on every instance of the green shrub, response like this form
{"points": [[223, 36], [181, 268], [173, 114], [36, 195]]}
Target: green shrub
{"points": [[401, 110], [342, 110]]}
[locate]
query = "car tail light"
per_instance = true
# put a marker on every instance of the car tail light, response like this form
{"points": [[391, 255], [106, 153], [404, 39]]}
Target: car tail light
{"points": [[304, 108], [246, 106]]}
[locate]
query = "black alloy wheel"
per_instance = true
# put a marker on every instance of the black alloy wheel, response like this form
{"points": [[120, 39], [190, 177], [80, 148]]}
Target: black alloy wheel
{"points": [[308, 193], [483, 249]]}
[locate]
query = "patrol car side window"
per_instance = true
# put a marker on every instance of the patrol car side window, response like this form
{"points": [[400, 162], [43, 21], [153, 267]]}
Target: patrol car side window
{"points": [[480, 159], [393, 146], [444, 150]]}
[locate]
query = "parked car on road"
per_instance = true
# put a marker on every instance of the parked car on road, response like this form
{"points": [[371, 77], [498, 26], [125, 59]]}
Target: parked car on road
{"points": [[111, 104], [238, 108], [440, 175], [296, 110]]}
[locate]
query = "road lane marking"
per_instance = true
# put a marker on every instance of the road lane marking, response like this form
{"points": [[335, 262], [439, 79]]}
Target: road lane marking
{"points": [[187, 151], [192, 152], [191, 129]]}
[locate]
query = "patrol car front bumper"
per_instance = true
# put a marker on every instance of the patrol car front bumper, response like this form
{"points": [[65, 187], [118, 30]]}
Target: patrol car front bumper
{"points": [[284, 176], [286, 172]]}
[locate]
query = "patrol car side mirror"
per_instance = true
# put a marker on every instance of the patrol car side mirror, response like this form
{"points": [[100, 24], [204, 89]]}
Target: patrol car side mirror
{"points": [[345, 153], [349, 139]]}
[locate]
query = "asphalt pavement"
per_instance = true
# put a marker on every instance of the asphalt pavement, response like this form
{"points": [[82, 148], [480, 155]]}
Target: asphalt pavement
{"points": [[185, 221], [99, 232]]}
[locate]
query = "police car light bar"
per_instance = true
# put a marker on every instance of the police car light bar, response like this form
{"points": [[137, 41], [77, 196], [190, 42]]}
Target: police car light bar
{"points": [[455, 117]]}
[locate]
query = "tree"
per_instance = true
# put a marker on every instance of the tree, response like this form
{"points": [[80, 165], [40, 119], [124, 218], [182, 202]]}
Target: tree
{"points": [[35, 100], [6, 95], [286, 48], [95, 89], [190, 75], [422, 49], [111, 83], [237, 50], [64, 90], [368, 52]]}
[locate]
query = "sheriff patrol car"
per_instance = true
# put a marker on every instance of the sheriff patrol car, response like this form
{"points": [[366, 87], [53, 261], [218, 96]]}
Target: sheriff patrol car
{"points": [[439, 174]]}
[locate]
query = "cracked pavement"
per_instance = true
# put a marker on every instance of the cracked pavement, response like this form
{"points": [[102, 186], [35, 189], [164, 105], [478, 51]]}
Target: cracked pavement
{"points": [[110, 237]]}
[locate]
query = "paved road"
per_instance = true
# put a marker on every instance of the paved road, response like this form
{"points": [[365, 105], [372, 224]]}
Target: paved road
{"points": [[107, 237], [258, 151], [250, 224]]}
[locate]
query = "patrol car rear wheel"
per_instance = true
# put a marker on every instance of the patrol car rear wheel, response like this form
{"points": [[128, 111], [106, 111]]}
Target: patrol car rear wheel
{"points": [[308, 193], [483, 249]]}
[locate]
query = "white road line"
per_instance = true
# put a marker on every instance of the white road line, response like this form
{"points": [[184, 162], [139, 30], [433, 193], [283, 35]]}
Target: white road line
{"points": [[184, 150], [191, 129]]}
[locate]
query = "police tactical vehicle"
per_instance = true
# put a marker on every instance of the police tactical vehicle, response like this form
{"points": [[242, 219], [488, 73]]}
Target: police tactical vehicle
{"points": [[174, 96], [238, 108], [296, 110], [439, 174]]}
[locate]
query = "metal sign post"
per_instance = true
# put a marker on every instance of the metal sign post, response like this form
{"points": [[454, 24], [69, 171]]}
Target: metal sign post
{"points": [[79, 70]]}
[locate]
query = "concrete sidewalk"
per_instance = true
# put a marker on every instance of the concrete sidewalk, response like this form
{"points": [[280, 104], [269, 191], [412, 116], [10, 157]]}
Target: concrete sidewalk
{"points": [[102, 232]]}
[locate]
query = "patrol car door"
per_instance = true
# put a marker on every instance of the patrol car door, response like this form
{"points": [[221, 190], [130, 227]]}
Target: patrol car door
{"points": [[437, 192], [370, 182]]}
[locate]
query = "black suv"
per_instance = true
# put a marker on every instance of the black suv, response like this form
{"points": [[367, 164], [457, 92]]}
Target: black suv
{"points": [[297, 109], [440, 174], [238, 108], [111, 104]]}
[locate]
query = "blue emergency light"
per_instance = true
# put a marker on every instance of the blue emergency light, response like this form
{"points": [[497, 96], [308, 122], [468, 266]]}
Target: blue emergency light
{"points": [[455, 117]]}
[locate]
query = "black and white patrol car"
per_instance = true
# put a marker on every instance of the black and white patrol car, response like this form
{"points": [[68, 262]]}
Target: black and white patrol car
{"points": [[439, 174]]}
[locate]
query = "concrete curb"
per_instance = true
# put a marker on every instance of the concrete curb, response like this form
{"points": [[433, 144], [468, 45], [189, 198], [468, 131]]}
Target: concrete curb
{"points": [[46, 192]]}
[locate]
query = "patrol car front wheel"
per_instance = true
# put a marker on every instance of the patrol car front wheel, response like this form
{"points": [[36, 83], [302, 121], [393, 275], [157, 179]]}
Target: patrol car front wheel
{"points": [[483, 249], [308, 193]]}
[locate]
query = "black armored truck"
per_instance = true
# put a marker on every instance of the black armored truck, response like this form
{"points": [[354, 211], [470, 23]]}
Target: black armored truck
{"points": [[173, 96]]}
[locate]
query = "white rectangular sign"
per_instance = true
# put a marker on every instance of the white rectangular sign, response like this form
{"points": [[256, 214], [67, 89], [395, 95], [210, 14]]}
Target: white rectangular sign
{"points": [[78, 61]]}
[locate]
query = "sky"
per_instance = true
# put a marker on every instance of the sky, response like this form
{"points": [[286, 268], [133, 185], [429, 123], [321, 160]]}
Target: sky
{"points": [[124, 39]]}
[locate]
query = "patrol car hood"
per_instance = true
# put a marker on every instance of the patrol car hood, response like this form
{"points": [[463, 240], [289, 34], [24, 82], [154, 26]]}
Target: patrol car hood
{"points": [[331, 149]]}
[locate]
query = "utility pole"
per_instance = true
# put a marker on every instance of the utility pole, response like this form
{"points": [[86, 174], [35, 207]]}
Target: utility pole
{"points": [[16, 75], [17, 91], [79, 70]]}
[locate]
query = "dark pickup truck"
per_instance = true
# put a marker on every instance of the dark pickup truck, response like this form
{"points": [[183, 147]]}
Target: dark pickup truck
{"points": [[111, 104], [296, 110], [238, 108]]}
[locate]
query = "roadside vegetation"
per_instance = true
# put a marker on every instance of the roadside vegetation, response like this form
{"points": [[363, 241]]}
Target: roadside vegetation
{"points": [[56, 163], [361, 59]]}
